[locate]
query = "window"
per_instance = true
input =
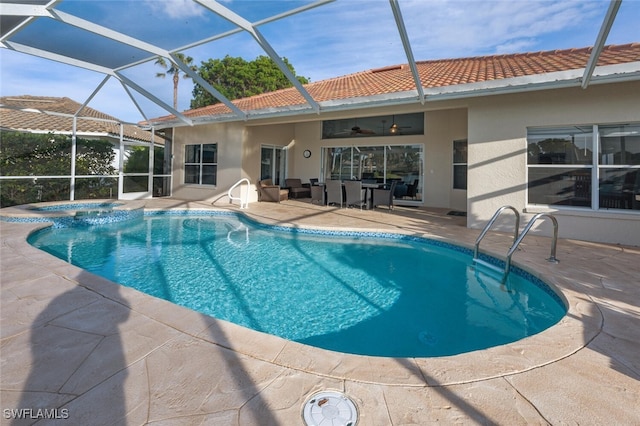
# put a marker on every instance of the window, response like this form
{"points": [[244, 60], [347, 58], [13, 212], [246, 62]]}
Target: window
{"points": [[460, 164], [562, 167], [380, 164], [384, 125], [619, 167], [201, 164]]}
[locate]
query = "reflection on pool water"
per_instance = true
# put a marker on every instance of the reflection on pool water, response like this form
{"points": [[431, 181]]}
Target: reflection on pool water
{"points": [[384, 295]]}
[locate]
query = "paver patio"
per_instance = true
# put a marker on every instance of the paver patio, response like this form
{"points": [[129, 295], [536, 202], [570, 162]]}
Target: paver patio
{"points": [[102, 353]]}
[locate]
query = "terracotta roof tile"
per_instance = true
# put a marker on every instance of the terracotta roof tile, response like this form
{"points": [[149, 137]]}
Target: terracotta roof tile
{"points": [[19, 119], [434, 73]]}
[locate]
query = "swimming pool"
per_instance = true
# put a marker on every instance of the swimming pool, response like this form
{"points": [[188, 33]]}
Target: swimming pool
{"points": [[353, 292]]}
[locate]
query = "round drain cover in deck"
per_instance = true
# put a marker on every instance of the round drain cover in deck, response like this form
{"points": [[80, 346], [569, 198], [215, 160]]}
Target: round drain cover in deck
{"points": [[330, 408]]}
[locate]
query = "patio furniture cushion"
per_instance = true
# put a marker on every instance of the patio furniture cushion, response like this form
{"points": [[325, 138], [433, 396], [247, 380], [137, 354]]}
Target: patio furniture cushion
{"points": [[297, 189], [267, 191]]}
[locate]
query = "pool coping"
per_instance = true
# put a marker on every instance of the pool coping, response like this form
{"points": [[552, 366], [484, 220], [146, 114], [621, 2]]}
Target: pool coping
{"points": [[582, 323]]}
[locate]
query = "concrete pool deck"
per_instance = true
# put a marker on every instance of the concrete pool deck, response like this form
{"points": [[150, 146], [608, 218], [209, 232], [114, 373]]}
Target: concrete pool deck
{"points": [[93, 352]]}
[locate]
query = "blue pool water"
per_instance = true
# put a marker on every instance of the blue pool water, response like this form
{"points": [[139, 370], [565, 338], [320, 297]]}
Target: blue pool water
{"points": [[380, 296]]}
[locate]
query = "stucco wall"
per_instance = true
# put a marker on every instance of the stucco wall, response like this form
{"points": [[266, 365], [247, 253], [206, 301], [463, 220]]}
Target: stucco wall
{"points": [[230, 139], [497, 154], [239, 153], [442, 128], [280, 135]]}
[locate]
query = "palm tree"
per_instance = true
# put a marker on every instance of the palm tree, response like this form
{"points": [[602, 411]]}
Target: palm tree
{"points": [[174, 70]]}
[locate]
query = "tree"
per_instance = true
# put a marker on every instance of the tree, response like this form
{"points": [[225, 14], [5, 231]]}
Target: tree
{"points": [[237, 78], [29, 154], [174, 70]]}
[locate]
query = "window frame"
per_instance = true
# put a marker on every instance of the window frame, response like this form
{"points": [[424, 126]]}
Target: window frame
{"points": [[200, 164], [391, 125], [593, 167], [456, 164]]}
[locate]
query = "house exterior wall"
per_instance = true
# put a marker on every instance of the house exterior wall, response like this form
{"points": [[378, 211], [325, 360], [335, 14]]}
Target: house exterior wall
{"points": [[496, 130], [442, 127], [498, 163], [239, 153], [238, 156], [280, 135], [230, 138]]}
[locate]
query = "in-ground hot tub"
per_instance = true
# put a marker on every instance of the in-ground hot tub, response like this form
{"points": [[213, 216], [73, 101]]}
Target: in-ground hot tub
{"points": [[75, 213]]}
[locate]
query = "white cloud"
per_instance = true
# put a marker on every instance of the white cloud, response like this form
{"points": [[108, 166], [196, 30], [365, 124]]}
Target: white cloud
{"points": [[178, 9], [460, 28]]}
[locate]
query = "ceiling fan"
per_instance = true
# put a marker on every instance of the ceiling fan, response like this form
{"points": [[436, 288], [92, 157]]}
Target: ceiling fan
{"points": [[357, 130]]}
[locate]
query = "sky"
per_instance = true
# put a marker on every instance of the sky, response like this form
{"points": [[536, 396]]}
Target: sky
{"points": [[331, 40]]}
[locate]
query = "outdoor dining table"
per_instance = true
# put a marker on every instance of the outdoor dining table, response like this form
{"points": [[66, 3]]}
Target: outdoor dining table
{"points": [[368, 198]]}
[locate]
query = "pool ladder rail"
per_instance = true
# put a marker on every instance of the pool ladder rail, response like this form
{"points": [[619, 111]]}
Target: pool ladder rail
{"points": [[517, 239], [244, 201]]}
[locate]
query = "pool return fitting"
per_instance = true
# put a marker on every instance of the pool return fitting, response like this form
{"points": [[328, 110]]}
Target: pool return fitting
{"points": [[517, 239]]}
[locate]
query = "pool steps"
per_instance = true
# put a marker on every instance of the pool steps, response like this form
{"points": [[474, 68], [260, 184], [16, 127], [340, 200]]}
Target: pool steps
{"points": [[517, 239]]}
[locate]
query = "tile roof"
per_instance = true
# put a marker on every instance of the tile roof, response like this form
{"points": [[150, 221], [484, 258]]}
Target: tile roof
{"points": [[433, 74], [15, 114]]}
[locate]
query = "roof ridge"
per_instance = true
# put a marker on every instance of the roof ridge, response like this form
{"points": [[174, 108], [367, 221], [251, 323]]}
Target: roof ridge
{"points": [[530, 54]]}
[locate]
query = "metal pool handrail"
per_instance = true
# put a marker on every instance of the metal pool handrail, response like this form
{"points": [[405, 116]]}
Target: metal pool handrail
{"points": [[490, 224], [552, 258], [243, 203]]}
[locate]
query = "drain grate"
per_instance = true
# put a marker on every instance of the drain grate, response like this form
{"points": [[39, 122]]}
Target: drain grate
{"points": [[330, 408]]}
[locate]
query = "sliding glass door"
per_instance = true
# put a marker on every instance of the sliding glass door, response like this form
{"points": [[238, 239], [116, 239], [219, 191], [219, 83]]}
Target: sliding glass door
{"points": [[273, 161], [382, 164]]}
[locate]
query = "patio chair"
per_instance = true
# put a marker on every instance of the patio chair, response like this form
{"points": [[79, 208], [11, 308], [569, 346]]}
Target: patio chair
{"points": [[317, 194], [267, 191], [334, 192], [297, 189], [384, 196], [356, 195], [412, 189]]}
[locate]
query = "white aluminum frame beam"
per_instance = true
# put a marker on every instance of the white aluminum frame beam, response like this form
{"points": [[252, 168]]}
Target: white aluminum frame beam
{"points": [[147, 47], [247, 26], [56, 57], [32, 12], [26, 10], [152, 98], [609, 18], [397, 14], [208, 87], [95, 91], [255, 24]]}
